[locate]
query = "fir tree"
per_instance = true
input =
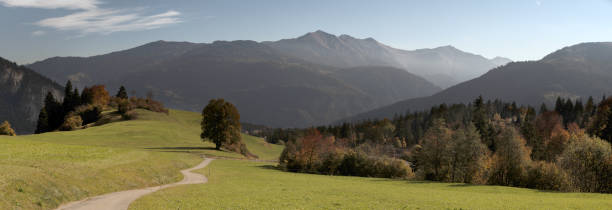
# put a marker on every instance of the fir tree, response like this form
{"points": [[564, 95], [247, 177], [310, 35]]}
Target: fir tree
{"points": [[122, 93]]}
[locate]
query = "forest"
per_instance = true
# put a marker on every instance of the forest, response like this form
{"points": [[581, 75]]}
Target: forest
{"points": [[566, 148]]}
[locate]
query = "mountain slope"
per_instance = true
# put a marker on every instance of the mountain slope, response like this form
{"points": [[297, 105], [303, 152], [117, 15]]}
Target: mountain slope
{"points": [[444, 66], [577, 71], [386, 83], [267, 86], [22, 95]]}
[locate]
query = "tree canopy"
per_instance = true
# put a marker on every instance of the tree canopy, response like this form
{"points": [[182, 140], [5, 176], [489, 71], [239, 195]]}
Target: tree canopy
{"points": [[221, 123]]}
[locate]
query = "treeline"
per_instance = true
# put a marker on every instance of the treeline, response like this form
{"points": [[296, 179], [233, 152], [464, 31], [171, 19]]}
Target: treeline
{"points": [[80, 109], [566, 148]]}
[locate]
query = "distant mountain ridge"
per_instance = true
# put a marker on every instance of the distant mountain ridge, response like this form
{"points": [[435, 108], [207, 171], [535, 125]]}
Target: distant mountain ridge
{"points": [[268, 87], [22, 95], [576, 72], [444, 66]]}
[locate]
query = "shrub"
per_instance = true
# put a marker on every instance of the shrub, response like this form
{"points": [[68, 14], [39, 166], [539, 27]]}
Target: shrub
{"points": [[5, 129], [148, 104], [71, 122], [317, 154], [587, 161], [89, 113], [547, 176]]}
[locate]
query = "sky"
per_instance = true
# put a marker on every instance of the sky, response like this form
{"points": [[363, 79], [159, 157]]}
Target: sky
{"points": [[32, 30]]}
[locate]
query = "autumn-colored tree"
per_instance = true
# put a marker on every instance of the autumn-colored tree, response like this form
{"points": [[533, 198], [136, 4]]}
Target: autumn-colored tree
{"points": [[96, 95], [304, 154], [552, 137], [221, 123], [435, 154], [511, 159], [469, 156], [5, 129]]}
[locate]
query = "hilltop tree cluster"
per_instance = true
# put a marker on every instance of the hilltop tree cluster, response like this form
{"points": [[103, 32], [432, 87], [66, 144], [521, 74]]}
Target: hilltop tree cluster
{"points": [[79, 109], [566, 148]]}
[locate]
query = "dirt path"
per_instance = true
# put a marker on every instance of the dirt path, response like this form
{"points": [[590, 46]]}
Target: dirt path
{"points": [[121, 200]]}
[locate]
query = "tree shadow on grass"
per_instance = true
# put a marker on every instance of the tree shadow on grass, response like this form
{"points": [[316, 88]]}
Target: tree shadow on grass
{"points": [[269, 167], [181, 148], [462, 185]]}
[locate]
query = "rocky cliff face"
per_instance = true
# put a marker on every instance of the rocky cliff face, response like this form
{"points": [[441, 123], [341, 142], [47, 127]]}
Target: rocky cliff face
{"points": [[22, 92]]}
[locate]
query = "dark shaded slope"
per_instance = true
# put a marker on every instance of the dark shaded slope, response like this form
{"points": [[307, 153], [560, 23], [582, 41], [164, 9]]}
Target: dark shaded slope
{"points": [[22, 92]]}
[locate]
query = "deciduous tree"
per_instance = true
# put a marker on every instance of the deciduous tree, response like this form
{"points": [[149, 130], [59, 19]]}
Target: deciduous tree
{"points": [[220, 123]]}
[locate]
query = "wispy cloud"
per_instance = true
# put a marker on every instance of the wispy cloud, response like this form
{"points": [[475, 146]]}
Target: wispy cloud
{"points": [[38, 33], [106, 21], [52, 4], [91, 19]]}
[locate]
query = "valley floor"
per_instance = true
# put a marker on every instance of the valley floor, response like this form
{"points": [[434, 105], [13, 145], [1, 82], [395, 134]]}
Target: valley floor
{"points": [[44, 171], [235, 184]]}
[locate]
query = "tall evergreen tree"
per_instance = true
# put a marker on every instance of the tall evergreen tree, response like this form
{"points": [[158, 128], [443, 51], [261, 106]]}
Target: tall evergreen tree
{"points": [[543, 108], [42, 124], [69, 102], [480, 119], [54, 111], [122, 93], [559, 105]]}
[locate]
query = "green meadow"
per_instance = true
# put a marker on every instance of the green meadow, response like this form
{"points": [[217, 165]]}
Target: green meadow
{"points": [[236, 184], [43, 171]]}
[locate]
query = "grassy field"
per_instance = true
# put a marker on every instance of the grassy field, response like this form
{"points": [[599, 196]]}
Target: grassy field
{"points": [[235, 184], [177, 132], [43, 171]]}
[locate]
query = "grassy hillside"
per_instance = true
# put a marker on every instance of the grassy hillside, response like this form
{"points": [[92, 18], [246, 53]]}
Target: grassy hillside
{"points": [[40, 175], [178, 131], [43, 171], [246, 185]]}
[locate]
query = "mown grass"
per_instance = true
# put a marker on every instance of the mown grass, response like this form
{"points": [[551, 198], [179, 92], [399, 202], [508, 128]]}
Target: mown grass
{"points": [[235, 184], [40, 175], [43, 171]]}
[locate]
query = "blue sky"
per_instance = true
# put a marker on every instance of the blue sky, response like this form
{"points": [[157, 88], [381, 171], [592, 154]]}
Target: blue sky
{"points": [[518, 29]]}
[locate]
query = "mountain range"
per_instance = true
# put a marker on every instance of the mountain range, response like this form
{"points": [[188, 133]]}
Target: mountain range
{"points": [[22, 95], [575, 72], [444, 66], [267, 86]]}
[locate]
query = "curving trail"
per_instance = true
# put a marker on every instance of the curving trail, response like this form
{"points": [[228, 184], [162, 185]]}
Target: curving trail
{"points": [[122, 199]]}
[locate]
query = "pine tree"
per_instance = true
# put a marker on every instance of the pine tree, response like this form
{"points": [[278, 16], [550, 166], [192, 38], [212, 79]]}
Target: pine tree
{"points": [[559, 106], [543, 108], [54, 111], [76, 97], [122, 93], [69, 102], [569, 114], [43, 121]]}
